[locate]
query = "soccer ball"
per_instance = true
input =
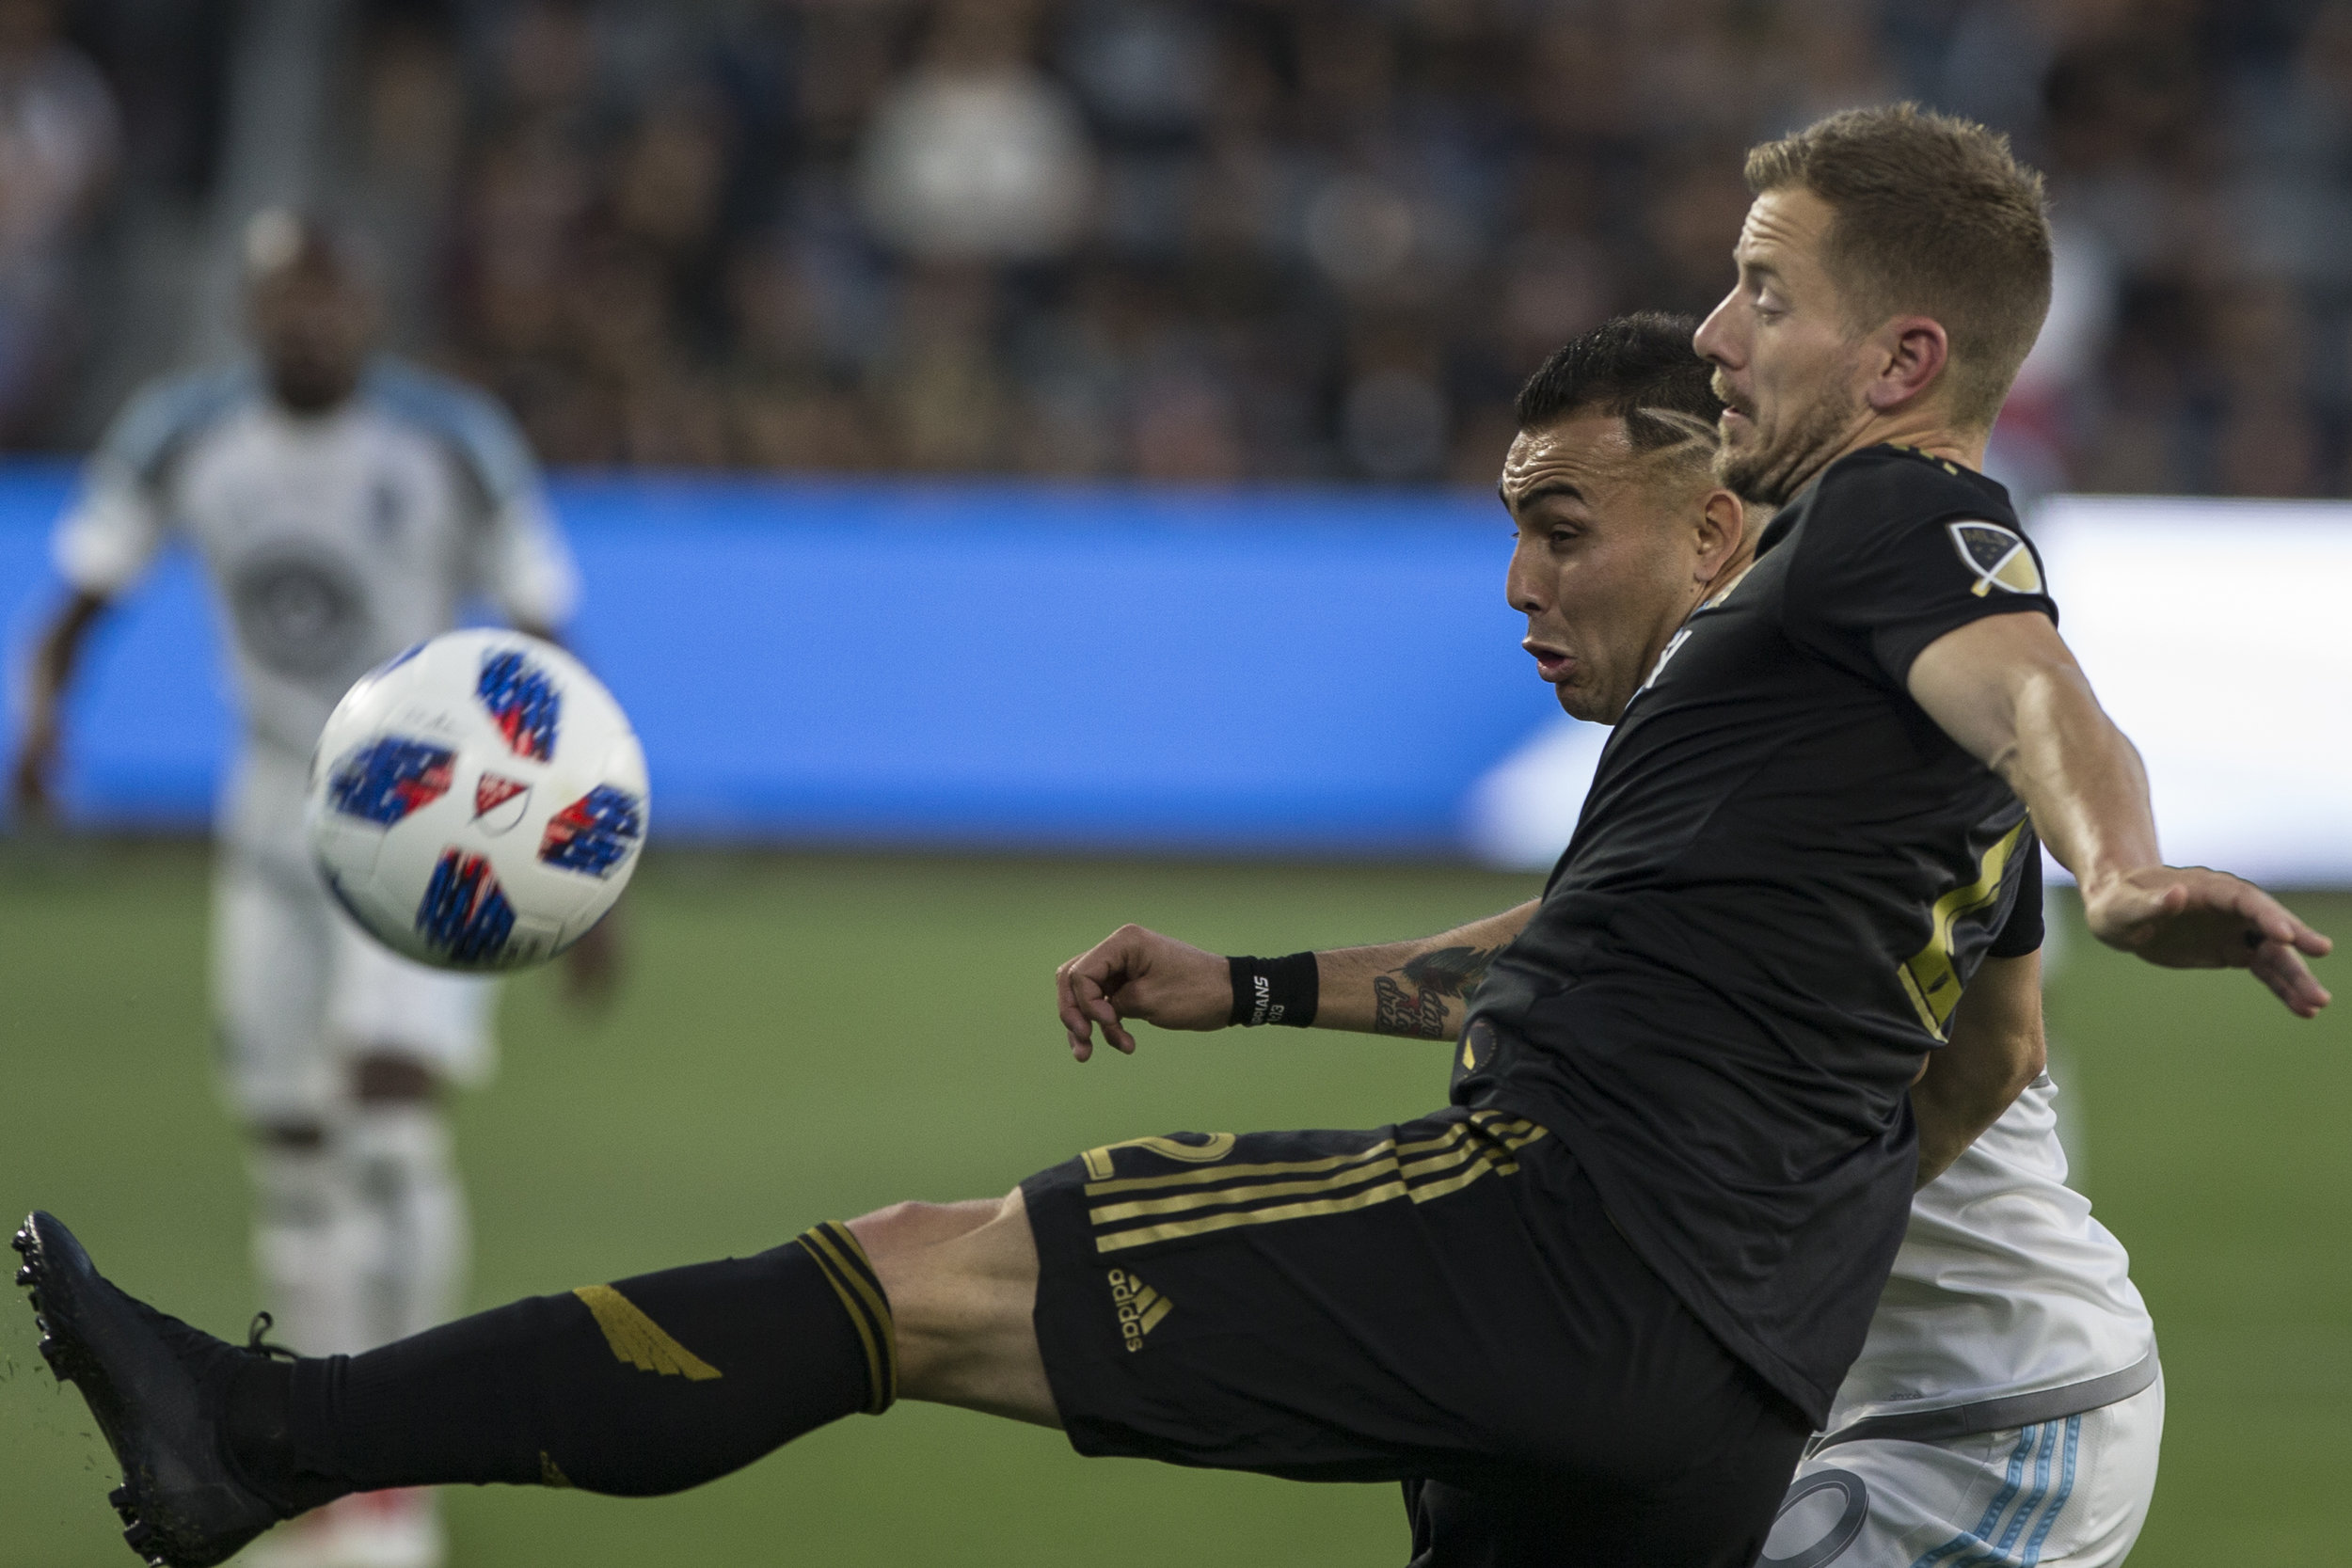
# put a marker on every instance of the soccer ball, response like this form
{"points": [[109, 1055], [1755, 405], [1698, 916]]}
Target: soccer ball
{"points": [[479, 802]]}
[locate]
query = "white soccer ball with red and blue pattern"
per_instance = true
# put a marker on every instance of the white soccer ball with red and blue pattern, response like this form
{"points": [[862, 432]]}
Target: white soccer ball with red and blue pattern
{"points": [[479, 802]]}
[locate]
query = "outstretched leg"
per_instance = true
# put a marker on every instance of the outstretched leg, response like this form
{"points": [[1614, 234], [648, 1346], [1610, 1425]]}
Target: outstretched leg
{"points": [[646, 1385], [1444, 1298]]}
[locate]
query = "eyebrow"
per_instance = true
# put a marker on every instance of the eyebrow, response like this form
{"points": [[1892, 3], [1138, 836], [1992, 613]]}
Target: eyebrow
{"points": [[1543, 492]]}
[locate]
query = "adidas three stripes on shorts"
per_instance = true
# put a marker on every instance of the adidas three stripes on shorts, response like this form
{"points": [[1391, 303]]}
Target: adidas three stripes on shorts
{"points": [[1441, 1302]]}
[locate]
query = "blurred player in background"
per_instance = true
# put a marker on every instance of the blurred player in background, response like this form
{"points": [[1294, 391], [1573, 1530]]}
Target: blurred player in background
{"points": [[344, 507], [2007, 1407]]}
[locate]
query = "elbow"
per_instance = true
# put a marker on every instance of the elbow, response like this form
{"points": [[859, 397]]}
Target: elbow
{"points": [[2028, 1057]]}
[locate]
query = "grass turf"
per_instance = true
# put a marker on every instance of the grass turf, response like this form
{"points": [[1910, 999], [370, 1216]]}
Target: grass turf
{"points": [[806, 1038]]}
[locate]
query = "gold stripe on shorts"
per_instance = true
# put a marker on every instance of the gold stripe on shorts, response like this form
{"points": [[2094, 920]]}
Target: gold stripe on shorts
{"points": [[1386, 1171], [1221, 1174]]}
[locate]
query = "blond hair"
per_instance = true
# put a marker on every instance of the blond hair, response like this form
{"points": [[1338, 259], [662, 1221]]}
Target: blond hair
{"points": [[1933, 215]]}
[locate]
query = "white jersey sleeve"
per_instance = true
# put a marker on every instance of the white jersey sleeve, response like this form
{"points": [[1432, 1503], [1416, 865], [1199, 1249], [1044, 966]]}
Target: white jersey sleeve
{"points": [[517, 557], [125, 511]]}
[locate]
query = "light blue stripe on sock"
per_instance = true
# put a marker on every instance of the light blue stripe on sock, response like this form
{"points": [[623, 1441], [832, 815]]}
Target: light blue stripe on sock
{"points": [[2066, 1487]]}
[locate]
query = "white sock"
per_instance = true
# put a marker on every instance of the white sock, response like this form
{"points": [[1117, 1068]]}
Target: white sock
{"points": [[303, 1241], [414, 1239]]}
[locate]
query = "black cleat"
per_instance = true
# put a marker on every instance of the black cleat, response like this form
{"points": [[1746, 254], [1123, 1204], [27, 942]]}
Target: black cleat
{"points": [[157, 1387]]}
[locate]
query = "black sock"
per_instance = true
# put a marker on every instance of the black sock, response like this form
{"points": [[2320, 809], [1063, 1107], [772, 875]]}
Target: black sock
{"points": [[650, 1386]]}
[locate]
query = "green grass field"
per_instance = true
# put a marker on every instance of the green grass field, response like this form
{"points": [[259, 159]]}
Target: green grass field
{"points": [[807, 1037]]}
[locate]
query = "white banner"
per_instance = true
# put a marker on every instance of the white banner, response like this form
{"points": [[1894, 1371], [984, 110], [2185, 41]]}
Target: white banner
{"points": [[2216, 632]]}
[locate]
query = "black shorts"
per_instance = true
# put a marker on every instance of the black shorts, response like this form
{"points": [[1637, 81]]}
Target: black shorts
{"points": [[1442, 1301]]}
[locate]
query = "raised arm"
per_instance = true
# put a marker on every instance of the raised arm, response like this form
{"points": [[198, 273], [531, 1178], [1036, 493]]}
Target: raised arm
{"points": [[2008, 689], [1994, 1049], [1414, 989]]}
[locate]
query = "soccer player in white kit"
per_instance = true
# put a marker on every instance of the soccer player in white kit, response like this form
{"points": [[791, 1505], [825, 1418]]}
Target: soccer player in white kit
{"points": [[2007, 1408], [344, 507]]}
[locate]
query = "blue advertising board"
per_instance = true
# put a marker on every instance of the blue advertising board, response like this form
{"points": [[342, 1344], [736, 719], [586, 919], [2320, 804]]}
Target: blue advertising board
{"points": [[957, 665]]}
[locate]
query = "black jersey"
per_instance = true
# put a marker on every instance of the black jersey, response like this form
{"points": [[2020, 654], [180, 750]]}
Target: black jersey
{"points": [[1784, 875]]}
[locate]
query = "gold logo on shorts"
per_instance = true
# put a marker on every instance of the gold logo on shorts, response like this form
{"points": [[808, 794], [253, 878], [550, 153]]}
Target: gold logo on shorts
{"points": [[1140, 1308]]}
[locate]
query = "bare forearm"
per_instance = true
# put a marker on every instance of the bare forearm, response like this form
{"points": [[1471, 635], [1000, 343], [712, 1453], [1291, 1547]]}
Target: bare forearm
{"points": [[53, 665], [1417, 988], [2081, 776], [60, 651], [2008, 692], [1951, 1115], [1995, 1050]]}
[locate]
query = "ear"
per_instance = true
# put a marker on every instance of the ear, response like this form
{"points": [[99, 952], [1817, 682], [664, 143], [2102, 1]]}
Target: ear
{"points": [[1722, 530], [1910, 353]]}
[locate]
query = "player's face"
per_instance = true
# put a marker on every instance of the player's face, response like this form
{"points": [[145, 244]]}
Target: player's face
{"points": [[1604, 569], [1787, 366], [313, 325]]}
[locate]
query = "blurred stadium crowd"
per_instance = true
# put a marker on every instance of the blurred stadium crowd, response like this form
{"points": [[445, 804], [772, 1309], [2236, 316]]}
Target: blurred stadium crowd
{"points": [[1180, 239]]}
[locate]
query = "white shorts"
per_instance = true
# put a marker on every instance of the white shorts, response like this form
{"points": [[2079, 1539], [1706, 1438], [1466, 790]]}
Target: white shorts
{"points": [[2067, 1493], [299, 991]]}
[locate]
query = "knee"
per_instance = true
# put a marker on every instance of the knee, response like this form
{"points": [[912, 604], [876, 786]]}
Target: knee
{"points": [[962, 1308], [905, 1228], [288, 1135]]}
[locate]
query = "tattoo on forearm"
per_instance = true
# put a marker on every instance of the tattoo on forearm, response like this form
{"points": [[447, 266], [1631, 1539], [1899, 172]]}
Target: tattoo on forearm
{"points": [[1397, 1011], [1418, 1003], [1452, 971]]}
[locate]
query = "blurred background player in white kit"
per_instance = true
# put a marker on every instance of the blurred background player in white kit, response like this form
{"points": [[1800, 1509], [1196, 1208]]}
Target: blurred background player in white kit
{"points": [[344, 506]]}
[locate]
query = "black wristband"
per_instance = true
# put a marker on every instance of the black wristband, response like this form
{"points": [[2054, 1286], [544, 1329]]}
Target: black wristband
{"points": [[1275, 991]]}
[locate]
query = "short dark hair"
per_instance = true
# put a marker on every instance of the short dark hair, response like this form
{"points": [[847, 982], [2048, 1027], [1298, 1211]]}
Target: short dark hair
{"points": [[1934, 215], [1640, 368]]}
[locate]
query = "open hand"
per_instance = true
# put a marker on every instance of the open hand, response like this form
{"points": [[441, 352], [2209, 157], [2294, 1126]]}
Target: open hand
{"points": [[2187, 917], [1138, 974]]}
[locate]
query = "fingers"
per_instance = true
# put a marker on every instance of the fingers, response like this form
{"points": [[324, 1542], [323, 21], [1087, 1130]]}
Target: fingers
{"points": [[2278, 939], [2202, 919], [2281, 967], [2280, 924], [1085, 984], [1098, 1007], [1073, 1019], [1076, 983], [1084, 1004], [1135, 972]]}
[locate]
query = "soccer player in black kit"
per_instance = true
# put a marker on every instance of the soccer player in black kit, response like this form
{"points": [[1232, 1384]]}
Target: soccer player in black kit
{"points": [[1619, 1275]]}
